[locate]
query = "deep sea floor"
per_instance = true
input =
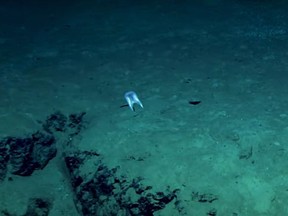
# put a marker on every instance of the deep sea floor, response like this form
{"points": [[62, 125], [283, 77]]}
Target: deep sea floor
{"points": [[212, 77]]}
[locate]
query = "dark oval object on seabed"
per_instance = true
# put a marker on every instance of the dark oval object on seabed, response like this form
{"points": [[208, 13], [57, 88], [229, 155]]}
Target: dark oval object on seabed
{"points": [[194, 102]]}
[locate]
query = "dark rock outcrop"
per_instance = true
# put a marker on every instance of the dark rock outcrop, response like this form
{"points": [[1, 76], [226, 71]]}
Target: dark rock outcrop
{"points": [[103, 192], [25, 155]]}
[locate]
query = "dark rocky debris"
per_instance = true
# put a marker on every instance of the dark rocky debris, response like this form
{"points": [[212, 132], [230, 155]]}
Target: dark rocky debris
{"points": [[38, 207], [4, 159], [25, 155], [76, 123], [58, 122], [55, 122], [105, 193]]}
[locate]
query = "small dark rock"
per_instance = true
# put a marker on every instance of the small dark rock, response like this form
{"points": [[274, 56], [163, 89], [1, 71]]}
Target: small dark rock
{"points": [[203, 197], [212, 212], [246, 153], [38, 207], [55, 122], [76, 123]]}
